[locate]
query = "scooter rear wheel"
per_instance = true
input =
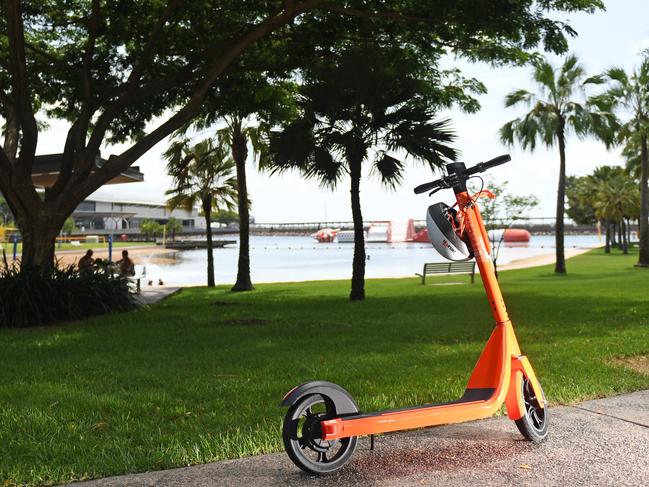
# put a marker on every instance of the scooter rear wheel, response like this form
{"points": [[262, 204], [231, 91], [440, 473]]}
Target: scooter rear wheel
{"points": [[534, 423], [302, 437]]}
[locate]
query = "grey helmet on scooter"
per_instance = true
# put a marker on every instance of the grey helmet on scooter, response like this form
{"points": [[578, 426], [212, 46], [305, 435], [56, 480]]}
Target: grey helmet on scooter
{"points": [[442, 234]]}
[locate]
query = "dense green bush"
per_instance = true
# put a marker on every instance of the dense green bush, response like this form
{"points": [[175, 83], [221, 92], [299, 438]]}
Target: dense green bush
{"points": [[32, 297]]}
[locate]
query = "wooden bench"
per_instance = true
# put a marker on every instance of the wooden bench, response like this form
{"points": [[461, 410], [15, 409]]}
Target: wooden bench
{"points": [[431, 268]]}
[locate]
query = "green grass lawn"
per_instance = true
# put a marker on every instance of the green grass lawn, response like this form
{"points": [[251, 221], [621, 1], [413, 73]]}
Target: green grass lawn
{"points": [[198, 378]]}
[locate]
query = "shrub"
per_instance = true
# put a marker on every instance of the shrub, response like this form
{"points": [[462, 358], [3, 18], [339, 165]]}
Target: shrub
{"points": [[36, 296]]}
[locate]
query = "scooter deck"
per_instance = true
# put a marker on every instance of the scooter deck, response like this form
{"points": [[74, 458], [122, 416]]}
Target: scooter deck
{"points": [[474, 404]]}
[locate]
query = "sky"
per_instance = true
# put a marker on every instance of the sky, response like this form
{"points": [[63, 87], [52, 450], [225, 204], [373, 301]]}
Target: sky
{"points": [[614, 37]]}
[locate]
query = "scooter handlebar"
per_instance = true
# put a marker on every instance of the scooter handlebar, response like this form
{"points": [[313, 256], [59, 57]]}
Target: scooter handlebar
{"points": [[448, 181]]}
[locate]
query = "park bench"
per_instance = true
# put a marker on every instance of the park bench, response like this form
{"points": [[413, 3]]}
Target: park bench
{"points": [[431, 268]]}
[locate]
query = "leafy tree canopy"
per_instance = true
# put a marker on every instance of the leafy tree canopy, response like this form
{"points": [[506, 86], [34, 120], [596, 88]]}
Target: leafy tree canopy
{"points": [[110, 66]]}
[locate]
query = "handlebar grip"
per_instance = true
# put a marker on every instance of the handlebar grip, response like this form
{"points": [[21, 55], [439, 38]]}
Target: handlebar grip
{"points": [[422, 188], [496, 161], [483, 166]]}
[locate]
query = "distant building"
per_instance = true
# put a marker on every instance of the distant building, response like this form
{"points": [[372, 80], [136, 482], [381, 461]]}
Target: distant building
{"points": [[96, 216]]}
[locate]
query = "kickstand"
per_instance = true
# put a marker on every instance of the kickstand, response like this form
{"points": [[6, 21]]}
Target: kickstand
{"points": [[371, 442]]}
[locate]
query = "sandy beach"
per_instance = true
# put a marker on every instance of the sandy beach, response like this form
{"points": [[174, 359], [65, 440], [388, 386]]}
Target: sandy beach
{"points": [[539, 260], [153, 254]]}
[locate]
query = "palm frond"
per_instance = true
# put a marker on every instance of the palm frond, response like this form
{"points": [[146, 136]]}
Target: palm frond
{"points": [[544, 75], [519, 96], [389, 169]]}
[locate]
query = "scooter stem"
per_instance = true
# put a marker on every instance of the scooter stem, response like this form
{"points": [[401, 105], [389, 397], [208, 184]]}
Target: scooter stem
{"points": [[477, 237]]}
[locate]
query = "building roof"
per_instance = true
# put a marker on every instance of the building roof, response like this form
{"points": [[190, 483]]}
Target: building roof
{"points": [[47, 167]]}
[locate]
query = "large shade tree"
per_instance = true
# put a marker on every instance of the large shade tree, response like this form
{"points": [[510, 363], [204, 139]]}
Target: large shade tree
{"points": [[555, 112], [629, 93], [203, 174], [365, 105], [111, 68]]}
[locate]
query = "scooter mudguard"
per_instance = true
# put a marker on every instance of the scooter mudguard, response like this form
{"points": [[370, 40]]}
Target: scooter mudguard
{"points": [[342, 400], [514, 403], [514, 400]]}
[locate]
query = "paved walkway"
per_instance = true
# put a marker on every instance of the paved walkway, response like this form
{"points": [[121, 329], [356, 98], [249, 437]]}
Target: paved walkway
{"points": [[151, 295], [595, 443]]}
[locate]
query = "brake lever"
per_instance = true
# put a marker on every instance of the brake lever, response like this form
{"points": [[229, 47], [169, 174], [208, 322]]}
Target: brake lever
{"points": [[436, 190]]}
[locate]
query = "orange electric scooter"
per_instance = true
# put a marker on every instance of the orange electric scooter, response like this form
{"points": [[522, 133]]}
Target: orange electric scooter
{"points": [[323, 422]]}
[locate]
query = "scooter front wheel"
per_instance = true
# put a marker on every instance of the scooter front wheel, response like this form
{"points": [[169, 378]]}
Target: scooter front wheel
{"points": [[534, 423], [303, 438]]}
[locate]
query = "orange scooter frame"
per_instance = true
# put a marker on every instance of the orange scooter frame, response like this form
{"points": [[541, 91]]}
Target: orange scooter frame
{"points": [[501, 375]]}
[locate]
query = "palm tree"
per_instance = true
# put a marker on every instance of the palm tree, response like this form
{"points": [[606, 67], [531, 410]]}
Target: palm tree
{"points": [[203, 173], [554, 114], [609, 196], [615, 200], [240, 137], [629, 93], [365, 106]]}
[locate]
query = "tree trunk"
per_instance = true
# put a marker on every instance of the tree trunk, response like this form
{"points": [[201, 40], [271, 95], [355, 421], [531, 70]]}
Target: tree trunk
{"points": [[240, 154], [607, 247], [358, 264], [38, 230], [628, 231], [207, 210], [625, 243], [560, 265], [643, 259], [613, 235]]}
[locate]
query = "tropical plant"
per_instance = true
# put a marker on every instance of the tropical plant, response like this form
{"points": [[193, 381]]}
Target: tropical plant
{"points": [[616, 200], [173, 226], [502, 212], [244, 138], [150, 228], [41, 296], [555, 113], [363, 106], [6, 217], [69, 227], [579, 208], [203, 174], [629, 94], [226, 217], [607, 196]]}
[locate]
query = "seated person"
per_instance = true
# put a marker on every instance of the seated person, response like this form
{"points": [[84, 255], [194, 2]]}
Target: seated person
{"points": [[86, 263], [126, 265]]}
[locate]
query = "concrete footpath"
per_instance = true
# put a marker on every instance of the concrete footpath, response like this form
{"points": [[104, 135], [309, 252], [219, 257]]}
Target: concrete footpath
{"points": [[596, 443]]}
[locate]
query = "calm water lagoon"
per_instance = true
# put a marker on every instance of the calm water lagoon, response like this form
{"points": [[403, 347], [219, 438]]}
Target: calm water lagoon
{"points": [[285, 259]]}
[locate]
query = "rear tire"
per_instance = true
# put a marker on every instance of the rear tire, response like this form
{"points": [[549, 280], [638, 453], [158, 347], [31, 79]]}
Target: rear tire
{"points": [[302, 437], [534, 423]]}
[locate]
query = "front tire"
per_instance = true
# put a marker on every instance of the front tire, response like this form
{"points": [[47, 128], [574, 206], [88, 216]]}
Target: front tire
{"points": [[302, 437], [534, 423]]}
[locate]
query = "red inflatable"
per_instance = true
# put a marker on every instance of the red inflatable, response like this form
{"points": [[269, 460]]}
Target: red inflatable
{"points": [[517, 235]]}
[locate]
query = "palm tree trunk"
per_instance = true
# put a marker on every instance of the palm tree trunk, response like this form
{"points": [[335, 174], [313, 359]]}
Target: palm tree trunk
{"points": [[560, 265], [207, 210], [607, 247], [613, 235], [643, 259], [628, 231], [358, 264], [240, 154], [625, 243]]}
